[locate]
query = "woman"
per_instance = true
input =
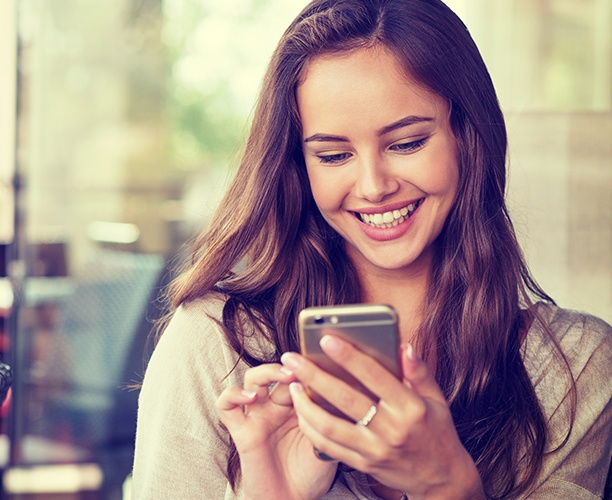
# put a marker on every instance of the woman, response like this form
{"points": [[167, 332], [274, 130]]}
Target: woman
{"points": [[374, 172]]}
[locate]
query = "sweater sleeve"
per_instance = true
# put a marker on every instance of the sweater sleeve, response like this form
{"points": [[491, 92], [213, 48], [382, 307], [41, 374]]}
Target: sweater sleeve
{"points": [[181, 447], [576, 468]]}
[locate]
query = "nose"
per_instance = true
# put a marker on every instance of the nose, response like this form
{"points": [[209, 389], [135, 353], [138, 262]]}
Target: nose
{"points": [[375, 180]]}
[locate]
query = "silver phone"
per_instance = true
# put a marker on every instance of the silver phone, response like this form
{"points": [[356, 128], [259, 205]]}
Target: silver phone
{"points": [[373, 328]]}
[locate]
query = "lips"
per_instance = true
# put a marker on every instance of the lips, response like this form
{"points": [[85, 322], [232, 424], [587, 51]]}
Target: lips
{"points": [[385, 220]]}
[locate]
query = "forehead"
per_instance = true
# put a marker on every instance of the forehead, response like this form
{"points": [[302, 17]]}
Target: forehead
{"points": [[369, 83], [325, 63]]}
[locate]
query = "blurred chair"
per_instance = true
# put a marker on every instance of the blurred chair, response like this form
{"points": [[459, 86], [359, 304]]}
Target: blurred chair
{"points": [[97, 351]]}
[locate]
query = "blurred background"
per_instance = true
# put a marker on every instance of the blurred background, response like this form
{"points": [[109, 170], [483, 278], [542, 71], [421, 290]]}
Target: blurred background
{"points": [[120, 124]]}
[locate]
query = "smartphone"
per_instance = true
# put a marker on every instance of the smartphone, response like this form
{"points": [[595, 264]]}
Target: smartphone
{"points": [[373, 328]]}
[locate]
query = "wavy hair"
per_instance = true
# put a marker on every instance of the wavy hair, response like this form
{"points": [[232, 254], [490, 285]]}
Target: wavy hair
{"points": [[271, 254]]}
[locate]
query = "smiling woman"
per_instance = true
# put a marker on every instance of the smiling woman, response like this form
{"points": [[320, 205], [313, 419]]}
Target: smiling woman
{"points": [[377, 143], [374, 172]]}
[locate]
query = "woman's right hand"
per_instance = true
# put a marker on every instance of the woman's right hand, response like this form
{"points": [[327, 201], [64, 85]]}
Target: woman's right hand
{"points": [[276, 459]]}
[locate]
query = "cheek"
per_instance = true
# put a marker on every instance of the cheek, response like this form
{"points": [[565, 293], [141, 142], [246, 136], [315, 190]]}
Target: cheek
{"points": [[442, 177], [326, 190], [446, 180]]}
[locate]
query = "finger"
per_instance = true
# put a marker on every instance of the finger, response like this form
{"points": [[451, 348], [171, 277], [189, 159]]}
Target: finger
{"points": [[279, 394], [337, 438], [341, 395], [375, 377], [260, 378], [417, 375], [230, 405], [399, 402]]}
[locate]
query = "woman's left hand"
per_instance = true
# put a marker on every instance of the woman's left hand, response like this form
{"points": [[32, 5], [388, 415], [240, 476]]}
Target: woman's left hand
{"points": [[410, 444]]}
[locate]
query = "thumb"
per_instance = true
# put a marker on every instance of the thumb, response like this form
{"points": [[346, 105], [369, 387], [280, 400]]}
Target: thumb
{"points": [[417, 375]]}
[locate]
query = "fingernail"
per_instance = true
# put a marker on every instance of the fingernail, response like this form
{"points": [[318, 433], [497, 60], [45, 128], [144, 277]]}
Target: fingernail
{"points": [[331, 345], [291, 361], [286, 370], [296, 388], [249, 394], [410, 354]]}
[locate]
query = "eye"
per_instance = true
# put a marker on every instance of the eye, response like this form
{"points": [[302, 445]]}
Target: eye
{"points": [[409, 147], [333, 158]]}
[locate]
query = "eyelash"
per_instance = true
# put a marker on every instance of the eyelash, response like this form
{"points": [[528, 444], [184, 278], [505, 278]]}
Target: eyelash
{"points": [[332, 159], [405, 147], [409, 147]]}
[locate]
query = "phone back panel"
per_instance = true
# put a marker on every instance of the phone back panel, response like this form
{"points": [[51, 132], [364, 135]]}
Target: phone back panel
{"points": [[370, 327]]}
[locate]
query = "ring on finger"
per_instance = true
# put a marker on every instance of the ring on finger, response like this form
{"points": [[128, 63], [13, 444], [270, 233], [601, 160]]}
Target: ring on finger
{"points": [[367, 418]]}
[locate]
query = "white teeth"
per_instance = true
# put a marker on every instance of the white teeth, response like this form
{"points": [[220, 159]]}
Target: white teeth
{"points": [[390, 219]]}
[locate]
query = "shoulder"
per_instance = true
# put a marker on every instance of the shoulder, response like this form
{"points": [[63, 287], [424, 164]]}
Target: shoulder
{"points": [[191, 357], [560, 339], [196, 350], [193, 324], [566, 321], [197, 316], [568, 355], [195, 345], [193, 333], [574, 325], [584, 340], [198, 323]]}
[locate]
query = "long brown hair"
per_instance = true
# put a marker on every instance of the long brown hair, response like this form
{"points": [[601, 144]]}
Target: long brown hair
{"points": [[271, 253]]}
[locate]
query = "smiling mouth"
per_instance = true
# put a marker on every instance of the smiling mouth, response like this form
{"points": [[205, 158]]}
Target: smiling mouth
{"points": [[389, 219]]}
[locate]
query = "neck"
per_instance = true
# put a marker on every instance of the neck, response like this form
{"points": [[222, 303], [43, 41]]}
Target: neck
{"points": [[406, 291]]}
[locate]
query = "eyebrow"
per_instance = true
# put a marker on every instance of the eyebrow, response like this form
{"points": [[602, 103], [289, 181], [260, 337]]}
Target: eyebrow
{"points": [[403, 122]]}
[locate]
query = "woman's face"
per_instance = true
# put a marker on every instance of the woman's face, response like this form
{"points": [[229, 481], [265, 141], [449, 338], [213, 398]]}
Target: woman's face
{"points": [[380, 155]]}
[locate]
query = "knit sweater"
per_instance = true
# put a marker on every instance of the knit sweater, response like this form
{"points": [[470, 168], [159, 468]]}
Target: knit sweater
{"points": [[181, 448]]}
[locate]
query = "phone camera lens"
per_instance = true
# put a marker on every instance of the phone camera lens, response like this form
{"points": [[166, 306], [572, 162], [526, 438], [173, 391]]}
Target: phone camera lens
{"points": [[319, 320]]}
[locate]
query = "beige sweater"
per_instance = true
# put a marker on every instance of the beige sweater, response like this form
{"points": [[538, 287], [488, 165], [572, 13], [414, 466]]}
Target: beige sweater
{"points": [[181, 450]]}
